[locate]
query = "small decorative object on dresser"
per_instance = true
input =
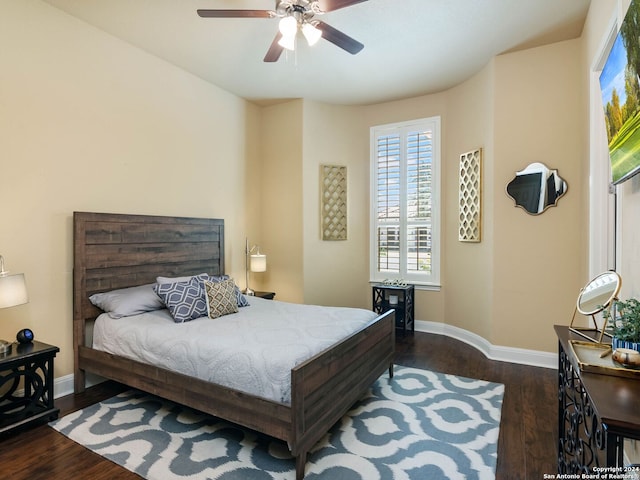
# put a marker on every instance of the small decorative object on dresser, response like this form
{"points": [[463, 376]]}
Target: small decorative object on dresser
{"points": [[398, 298]]}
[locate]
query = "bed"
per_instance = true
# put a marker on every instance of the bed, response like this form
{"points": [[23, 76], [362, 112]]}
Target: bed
{"points": [[115, 251]]}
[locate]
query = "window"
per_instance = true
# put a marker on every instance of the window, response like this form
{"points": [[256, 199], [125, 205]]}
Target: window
{"points": [[405, 199]]}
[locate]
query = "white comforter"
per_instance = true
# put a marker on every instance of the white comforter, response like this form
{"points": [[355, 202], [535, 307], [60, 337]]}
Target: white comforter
{"points": [[253, 350]]}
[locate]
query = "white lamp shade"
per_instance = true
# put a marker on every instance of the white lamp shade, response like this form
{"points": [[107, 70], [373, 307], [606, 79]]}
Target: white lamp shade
{"points": [[288, 42], [288, 26], [13, 290], [311, 33], [258, 263]]}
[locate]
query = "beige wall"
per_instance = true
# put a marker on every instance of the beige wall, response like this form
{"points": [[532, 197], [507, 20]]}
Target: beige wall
{"points": [[523, 277], [539, 117], [281, 206], [469, 266], [89, 123], [335, 271]]}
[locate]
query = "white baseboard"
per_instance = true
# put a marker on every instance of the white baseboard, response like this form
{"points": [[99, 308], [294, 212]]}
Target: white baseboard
{"points": [[64, 385], [503, 354]]}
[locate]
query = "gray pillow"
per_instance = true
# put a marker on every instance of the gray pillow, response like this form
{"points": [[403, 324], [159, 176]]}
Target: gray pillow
{"points": [[128, 301]]}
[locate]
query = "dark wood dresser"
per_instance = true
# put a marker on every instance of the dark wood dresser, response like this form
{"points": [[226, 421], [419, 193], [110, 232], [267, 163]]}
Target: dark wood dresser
{"points": [[598, 414]]}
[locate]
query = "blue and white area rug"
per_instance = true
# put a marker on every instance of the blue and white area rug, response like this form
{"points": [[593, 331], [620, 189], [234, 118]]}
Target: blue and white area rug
{"points": [[418, 425]]}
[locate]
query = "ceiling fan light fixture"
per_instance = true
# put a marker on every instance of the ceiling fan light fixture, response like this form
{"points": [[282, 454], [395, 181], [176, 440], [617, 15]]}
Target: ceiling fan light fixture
{"points": [[288, 42], [311, 33], [288, 26], [296, 15]]}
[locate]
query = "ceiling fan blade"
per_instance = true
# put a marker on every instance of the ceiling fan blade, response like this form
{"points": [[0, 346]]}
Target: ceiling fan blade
{"points": [[234, 13], [331, 5], [275, 50], [339, 39]]}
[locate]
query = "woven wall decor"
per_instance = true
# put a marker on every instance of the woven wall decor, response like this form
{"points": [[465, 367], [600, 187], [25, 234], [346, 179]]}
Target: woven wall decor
{"points": [[333, 202], [470, 197]]}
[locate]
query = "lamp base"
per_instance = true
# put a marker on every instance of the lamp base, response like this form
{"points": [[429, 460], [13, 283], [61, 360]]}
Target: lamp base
{"points": [[5, 347], [248, 291]]}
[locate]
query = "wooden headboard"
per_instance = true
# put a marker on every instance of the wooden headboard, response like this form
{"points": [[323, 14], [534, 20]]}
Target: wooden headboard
{"points": [[114, 251]]}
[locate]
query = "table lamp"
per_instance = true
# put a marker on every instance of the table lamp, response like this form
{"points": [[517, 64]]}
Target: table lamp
{"points": [[254, 262], [13, 291]]}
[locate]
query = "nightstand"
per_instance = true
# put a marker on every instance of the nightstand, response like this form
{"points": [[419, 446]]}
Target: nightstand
{"points": [[267, 295], [400, 299], [29, 366]]}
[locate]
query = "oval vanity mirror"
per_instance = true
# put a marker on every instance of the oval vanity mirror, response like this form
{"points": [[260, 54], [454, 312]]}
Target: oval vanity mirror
{"points": [[536, 188], [596, 296], [599, 293]]}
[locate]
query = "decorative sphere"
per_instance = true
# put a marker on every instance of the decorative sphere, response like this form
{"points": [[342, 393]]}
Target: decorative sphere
{"points": [[24, 336]]}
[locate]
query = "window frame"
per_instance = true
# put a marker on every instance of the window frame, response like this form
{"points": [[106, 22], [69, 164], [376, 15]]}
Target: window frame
{"points": [[421, 279]]}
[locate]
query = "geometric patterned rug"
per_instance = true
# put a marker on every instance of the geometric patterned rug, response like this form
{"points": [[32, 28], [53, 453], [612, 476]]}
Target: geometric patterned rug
{"points": [[418, 425]]}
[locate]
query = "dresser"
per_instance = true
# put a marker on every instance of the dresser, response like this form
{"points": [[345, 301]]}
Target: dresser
{"points": [[597, 415]]}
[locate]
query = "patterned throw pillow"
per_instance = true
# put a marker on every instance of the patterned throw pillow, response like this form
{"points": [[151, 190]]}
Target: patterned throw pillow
{"points": [[240, 298], [185, 300], [221, 298]]}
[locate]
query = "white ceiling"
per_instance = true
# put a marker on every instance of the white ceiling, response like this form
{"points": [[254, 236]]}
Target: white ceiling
{"points": [[412, 47]]}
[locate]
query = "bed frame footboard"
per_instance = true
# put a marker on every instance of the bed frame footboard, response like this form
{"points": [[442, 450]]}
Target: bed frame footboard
{"points": [[325, 387]]}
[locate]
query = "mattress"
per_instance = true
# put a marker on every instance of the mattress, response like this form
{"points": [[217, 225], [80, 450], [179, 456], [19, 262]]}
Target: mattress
{"points": [[252, 351]]}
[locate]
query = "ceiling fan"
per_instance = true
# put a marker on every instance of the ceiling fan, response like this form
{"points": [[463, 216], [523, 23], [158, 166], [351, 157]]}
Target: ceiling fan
{"points": [[297, 15]]}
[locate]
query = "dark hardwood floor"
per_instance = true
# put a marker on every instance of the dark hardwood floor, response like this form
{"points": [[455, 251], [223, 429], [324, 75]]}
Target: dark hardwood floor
{"points": [[526, 447]]}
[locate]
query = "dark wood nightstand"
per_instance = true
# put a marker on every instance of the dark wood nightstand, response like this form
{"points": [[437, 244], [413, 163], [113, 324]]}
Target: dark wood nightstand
{"points": [[400, 299], [31, 363], [267, 295]]}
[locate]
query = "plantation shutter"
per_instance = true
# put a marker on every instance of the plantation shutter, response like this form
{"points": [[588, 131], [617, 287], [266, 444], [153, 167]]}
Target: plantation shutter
{"points": [[419, 161], [404, 190], [388, 203]]}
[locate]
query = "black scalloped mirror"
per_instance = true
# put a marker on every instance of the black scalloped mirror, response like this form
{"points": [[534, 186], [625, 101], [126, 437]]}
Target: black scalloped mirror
{"points": [[536, 188]]}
